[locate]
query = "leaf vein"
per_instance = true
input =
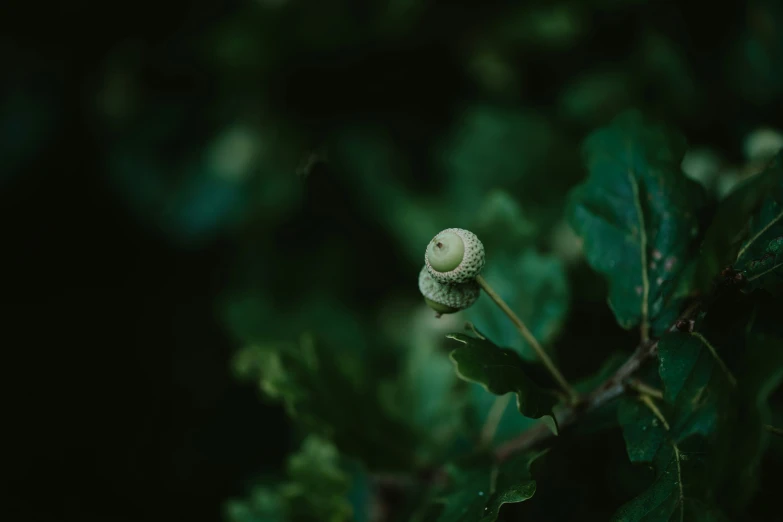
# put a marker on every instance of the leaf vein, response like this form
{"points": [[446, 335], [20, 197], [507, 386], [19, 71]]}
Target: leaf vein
{"points": [[765, 272], [647, 401], [630, 238], [679, 480], [717, 358], [643, 252], [759, 234]]}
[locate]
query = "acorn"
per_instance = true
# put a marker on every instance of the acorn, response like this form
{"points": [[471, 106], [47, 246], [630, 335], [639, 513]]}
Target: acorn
{"points": [[454, 256], [447, 299]]}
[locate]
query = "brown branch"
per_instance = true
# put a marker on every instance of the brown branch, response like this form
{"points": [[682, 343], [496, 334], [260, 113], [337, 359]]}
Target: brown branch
{"points": [[610, 389]]}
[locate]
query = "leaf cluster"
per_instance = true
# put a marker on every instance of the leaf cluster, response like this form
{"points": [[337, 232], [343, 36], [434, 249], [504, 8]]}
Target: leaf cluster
{"points": [[693, 421]]}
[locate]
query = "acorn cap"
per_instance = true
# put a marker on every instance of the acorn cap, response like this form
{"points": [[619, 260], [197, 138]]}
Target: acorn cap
{"points": [[447, 299], [454, 256]]}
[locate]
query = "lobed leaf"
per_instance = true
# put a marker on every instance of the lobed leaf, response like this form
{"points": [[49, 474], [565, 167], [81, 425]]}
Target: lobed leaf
{"points": [[667, 498], [479, 491], [709, 432], [729, 231], [760, 258], [687, 361], [501, 371], [681, 488], [316, 488], [686, 433], [316, 383], [638, 216]]}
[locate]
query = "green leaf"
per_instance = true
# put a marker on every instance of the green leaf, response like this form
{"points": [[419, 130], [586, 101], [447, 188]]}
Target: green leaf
{"points": [[261, 505], [637, 214], [535, 286], [760, 374], [501, 224], [681, 489], [666, 499], [478, 492], [426, 392], [318, 485], [316, 489], [469, 497], [760, 258], [717, 382], [316, 382], [641, 430], [687, 361], [501, 371], [691, 430], [738, 227], [511, 495], [494, 147]]}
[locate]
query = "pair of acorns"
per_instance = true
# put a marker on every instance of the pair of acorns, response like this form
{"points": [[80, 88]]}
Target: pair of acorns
{"points": [[453, 260]]}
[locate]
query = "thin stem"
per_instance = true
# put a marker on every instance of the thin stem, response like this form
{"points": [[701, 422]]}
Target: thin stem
{"points": [[532, 341], [609, 390], [470, 326], [493, 419], [645, 389]]}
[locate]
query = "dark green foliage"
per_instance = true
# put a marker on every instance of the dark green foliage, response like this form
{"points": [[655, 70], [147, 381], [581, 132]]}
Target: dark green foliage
{"points": [[695, 445], [759, 374], [672, 437], [479, 490], [620, 160], [536, 287], [317, 485], [706, 439], [760, 257], [639, 212], [746, 230], [500, 371], [706, 428], [316, 383]]}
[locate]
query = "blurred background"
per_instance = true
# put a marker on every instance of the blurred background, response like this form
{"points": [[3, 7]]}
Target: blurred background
{"points": [[198, 197]]}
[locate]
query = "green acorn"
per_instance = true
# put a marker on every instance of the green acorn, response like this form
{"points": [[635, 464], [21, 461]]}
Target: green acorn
{"points": [[447, 299], [454, 256]]}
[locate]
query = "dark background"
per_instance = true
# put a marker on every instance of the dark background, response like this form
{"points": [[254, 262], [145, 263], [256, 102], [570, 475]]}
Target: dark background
{"points": [[121, 405]]}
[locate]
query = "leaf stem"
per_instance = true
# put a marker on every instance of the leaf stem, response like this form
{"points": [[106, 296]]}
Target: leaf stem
{"points": [[647, 401], [493, 419], [609, 390], [645, 311], [717, 358], [531, 340], [645, 389]]}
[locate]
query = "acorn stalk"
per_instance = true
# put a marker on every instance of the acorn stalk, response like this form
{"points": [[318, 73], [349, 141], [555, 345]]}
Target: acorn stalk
{"points": [[451, 281]]}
